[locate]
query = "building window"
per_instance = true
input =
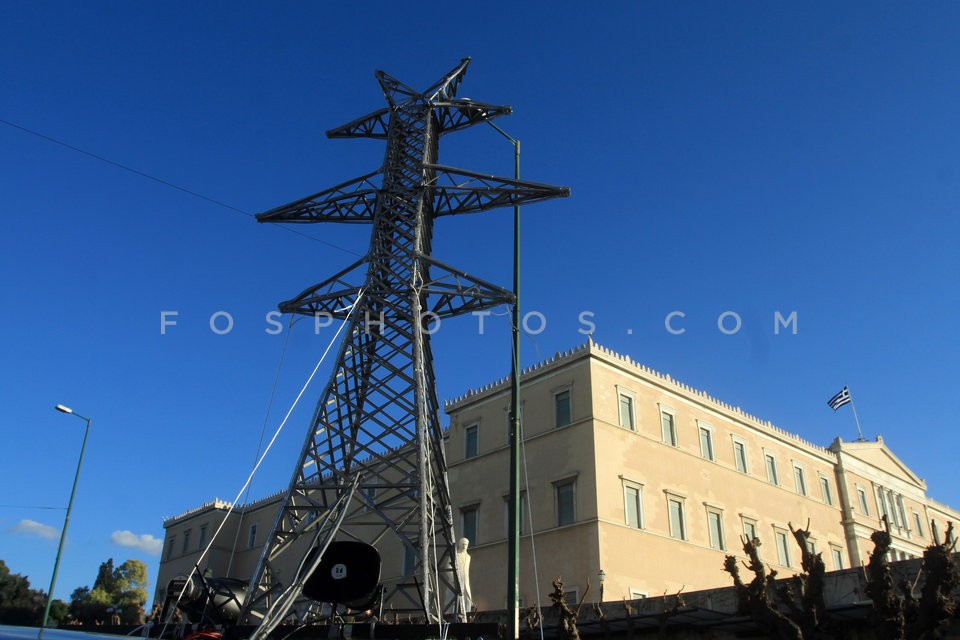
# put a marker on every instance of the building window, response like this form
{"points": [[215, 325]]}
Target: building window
{"points": [[825, 489], [252, 536], [678, 525], [750, 529], [715, 526], [864, 505], [891, 504], [882, 505], [468, 523], [170, 547], [471, 441], [902, 512], [811, 546], [566, 493], [561, 407], [633, 505], [409, 557], [934, 533], [669, 428], [783, 547], [572, 597], [837, 558], [772, 477], [740, 455], [627, 417], [706, 442], [636, 594], [203, 537], [186, 541], [799, 480], [919, 522]]}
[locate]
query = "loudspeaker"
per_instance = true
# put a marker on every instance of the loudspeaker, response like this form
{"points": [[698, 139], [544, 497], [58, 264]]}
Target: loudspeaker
{"points": [[348, 574]]}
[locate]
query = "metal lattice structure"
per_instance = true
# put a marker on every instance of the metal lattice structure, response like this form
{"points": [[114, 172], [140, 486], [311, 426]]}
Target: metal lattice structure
{"points": [[375, 435]]}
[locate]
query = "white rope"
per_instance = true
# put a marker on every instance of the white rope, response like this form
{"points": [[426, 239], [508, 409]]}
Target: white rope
{"points": [[256, 467], [533, 545], [526, 482], [263, 431]]}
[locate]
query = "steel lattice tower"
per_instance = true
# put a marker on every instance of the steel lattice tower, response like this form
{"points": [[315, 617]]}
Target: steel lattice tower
{"points": [[375, 436]]}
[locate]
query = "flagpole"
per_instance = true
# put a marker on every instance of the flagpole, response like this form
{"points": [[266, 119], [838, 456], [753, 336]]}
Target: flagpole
{"points": [[854, 407]]}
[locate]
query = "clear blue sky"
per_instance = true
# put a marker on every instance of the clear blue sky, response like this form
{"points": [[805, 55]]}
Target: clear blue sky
{"points": [[750, 157]]}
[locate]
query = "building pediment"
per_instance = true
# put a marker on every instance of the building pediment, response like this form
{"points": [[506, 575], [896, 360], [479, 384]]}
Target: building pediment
{"points": [[877, 455]]}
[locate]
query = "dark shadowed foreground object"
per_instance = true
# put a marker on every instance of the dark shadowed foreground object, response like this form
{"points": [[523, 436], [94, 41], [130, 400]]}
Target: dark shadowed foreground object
{"points": [[216, 600], [348, 574]]}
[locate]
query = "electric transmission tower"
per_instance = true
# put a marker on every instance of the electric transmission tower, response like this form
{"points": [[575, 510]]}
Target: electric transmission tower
{"points": [[375, 436]]}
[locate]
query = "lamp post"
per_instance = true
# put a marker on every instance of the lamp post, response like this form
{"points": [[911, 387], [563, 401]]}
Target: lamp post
{"points": [[602, 576], [73, 492], [513, 517]]}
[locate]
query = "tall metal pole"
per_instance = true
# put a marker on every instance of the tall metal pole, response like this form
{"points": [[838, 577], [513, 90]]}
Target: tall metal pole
{"points": [[514, 515], [860, 437], [66, 522], [380, 406]]}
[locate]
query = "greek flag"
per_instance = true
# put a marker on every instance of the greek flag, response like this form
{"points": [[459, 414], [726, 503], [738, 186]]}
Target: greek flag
{"points": [[840, 399]]}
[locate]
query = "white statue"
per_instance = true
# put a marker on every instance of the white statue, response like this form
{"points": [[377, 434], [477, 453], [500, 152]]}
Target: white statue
{"points": [[463, 567]]}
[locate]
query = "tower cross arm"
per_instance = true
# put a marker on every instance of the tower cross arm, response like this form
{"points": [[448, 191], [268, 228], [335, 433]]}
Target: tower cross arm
{"points": [[376, 124], [351, 201], [446, 87], [394, 91], [457, 191], [453, 292], [373, 125], [460, 113], [332, 304], [333, 297]]}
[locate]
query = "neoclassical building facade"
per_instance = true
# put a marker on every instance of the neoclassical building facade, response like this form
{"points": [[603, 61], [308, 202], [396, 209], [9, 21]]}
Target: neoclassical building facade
{"points": [[629, 473]]}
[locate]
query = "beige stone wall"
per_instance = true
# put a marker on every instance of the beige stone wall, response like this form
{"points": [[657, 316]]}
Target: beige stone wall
{"points": [[176, 561], [554, 456], [649, 560], [941, 515], [871, 467], [602, 456]]}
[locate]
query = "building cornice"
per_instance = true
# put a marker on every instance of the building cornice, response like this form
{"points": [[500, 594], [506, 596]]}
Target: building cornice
{"points": [[222, 505], [215, 504], [704, 399], [558, 360], [946, 509], [663, 380]]}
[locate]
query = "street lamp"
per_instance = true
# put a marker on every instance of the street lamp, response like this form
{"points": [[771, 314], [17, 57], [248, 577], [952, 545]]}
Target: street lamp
{"points": [[602, 576], [513, 518], [73, 492]]}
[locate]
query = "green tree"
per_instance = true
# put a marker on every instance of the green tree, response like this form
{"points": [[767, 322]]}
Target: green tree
{"points": [[59, 611], [106, 577], [78, 608], [123, 587], [132, 589], [21, 605]]}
